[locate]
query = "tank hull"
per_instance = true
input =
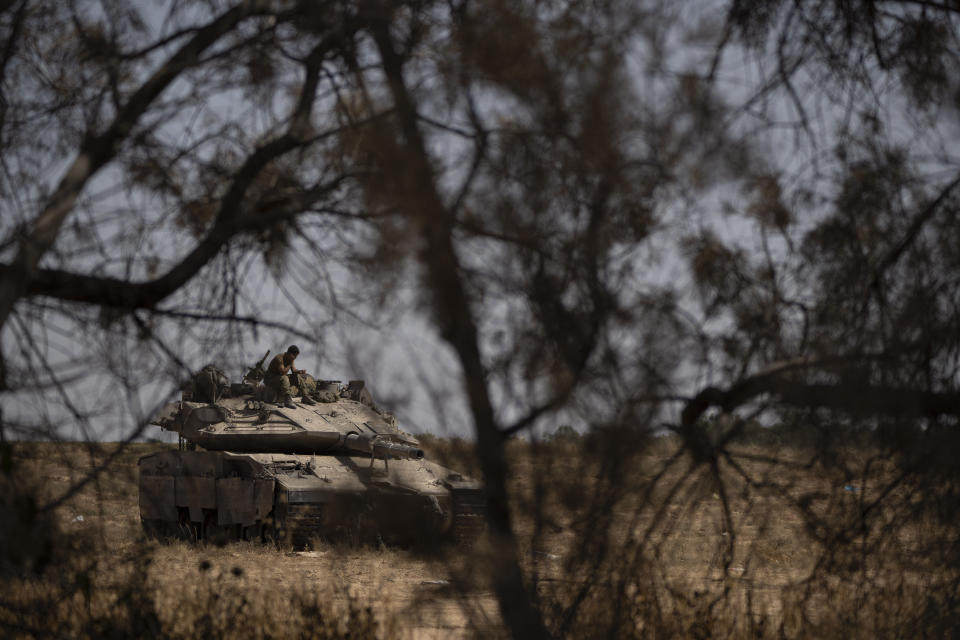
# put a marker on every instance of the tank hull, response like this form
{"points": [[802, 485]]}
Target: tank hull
{"points": [[296, 499]]}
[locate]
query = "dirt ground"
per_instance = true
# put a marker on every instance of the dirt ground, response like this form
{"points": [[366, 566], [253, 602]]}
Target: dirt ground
{"points": [[781, 547], [414, 593]]}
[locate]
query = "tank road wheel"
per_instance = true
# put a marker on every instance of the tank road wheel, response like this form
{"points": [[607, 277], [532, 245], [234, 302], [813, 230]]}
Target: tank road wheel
{"points": [[169, 530], [212, 532], [253, 533], [268, 535], [184, 528], [303, 523], [469, 516], [273, 531], [152, 529]]}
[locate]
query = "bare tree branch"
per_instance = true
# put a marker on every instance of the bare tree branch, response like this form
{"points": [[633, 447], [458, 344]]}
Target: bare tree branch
{"points": [[850, 397], [458, 328], [230, 220], [916, 226], [97, 150]]}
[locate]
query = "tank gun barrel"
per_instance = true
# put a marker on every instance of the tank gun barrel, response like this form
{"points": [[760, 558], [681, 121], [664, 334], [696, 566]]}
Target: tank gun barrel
{"points": [[380, 447]]}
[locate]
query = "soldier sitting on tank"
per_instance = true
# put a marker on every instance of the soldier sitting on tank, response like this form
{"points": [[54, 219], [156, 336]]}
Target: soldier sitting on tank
{"points": [[278, 380]]}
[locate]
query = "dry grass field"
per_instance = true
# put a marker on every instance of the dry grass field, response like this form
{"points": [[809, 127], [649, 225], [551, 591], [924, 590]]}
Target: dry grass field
{"points": [[772, 542]]}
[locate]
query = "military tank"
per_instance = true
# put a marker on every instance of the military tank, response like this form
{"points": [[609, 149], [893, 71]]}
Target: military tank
{"points": [[332, 467]]}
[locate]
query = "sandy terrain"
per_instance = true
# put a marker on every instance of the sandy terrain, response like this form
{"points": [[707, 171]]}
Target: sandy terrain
{"points": [[414, 592], [781, 547]]}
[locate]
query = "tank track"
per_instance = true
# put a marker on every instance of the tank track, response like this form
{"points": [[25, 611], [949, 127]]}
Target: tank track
{"points": [[469, 514], [303, 523]]}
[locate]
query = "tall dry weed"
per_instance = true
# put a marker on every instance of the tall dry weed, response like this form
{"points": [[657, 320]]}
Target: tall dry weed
{"points": [[616, 541]]}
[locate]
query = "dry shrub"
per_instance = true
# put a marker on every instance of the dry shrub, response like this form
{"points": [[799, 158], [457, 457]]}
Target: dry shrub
{"points": [[455, 453], [847, 545], [66, 581], [651, 605], [121, 599], [29, 536], [889, 608], [223, 604], [617, 541], [35, 546], [645, 606]]}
